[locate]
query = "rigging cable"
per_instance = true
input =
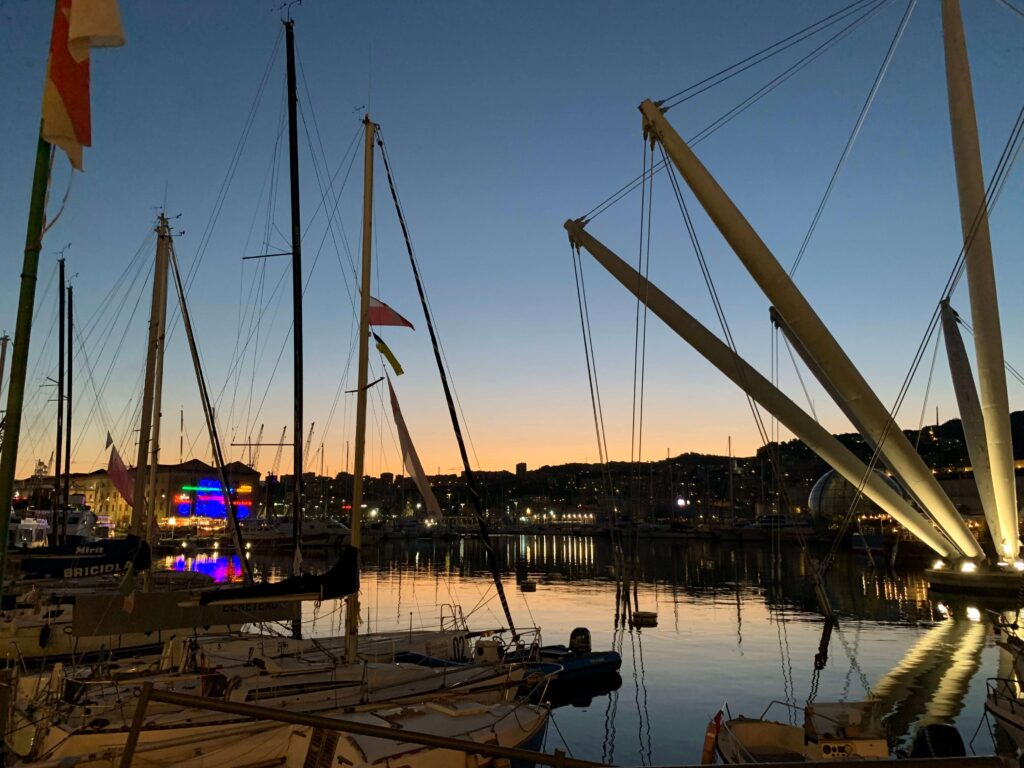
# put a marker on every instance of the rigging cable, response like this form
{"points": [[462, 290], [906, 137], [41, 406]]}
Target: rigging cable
{"points": [[1008, 157], [474, 492], [854, 134], [741, 107], [746, 63]]}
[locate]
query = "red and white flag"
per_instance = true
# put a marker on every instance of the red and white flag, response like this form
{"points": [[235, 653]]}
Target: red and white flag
{"points": [[78, 25], [381, 314], [119, 476]]}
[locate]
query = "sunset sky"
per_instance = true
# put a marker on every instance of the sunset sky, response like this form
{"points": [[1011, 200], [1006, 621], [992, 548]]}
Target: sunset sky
{"points": [[501, 122]]}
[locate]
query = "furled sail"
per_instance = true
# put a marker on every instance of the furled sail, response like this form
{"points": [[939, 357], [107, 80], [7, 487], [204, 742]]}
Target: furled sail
{"points": [[411, 460]]}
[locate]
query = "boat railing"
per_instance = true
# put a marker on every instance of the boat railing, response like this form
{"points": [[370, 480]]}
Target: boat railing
{"points": [[1007, 691], [274, 714]]}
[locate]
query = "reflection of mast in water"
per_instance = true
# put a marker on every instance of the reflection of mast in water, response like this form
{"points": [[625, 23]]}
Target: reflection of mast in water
{"points": [[739, 620], [907, 691]]}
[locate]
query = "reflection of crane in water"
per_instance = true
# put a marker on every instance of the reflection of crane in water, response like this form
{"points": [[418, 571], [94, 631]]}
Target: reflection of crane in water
{"points": [[930, 683]]}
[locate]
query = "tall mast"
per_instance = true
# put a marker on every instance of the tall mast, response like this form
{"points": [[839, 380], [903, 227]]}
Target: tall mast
{"points": [[58, 454], [356, 522], [158, 386], [22, 335], [67, 417], [293, 164], [163, 245], [3, 358], [981, 280]]}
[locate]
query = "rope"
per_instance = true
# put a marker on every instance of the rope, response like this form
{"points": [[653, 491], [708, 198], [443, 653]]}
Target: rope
{"points": [[756, 58], [927, 390], [474, 492], [854, 134]]}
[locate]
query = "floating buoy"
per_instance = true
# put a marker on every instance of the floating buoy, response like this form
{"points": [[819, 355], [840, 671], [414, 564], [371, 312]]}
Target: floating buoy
{"points": [[644, 619], [528, 586]]}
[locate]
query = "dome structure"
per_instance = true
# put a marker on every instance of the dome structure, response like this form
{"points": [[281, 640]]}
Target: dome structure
{"points": [[832, 495]]}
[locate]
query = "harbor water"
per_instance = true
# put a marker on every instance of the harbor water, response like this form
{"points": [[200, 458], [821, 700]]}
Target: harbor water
{"points": [[737, 625]]}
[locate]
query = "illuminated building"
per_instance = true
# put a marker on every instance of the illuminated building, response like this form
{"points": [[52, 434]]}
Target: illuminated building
{"points": [[190, 490]]}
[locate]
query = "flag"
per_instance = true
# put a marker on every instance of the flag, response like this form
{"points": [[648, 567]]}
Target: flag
{"points": [[119, 476], [78, 25], [127, 590], [381, 314], [384, 350], [411, 460]]}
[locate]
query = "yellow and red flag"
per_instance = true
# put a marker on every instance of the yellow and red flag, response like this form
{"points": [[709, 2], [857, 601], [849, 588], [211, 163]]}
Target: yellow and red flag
{"points": [[78, 25]]}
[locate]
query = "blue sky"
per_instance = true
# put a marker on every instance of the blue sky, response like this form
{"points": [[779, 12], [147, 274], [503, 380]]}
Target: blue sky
{"points": [[501, 122]]}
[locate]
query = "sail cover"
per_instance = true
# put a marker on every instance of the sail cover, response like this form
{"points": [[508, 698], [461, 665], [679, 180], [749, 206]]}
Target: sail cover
{"points": [[341, 580], [411, 460]]}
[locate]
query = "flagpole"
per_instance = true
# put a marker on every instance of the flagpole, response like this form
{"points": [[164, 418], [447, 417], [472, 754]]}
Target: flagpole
{"points": [[22, 334]]}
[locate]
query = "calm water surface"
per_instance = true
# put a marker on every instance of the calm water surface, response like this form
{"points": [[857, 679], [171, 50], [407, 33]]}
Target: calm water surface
{"points": [[737, 624]]}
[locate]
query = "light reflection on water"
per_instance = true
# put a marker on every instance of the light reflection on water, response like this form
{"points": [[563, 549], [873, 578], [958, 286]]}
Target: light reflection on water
{"points": [[736, 624]]}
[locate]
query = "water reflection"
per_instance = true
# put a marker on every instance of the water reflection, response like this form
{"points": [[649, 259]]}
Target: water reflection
{"points": [[738, 624]]}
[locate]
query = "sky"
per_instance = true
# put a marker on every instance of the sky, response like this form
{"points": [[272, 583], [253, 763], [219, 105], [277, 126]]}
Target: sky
{"points": [[501, 122]]}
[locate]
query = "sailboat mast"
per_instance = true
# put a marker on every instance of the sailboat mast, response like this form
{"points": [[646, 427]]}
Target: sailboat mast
{"points": [[58, 454], [293, 165], [163, 244], [356, 521], [981, 279], [158, 386], [22, 335], [67, 417], [3, 358]]}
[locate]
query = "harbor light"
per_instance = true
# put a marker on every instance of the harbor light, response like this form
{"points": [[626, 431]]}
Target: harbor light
{"points": [[968, 567], [942, 609], [973, 614], [938, 565], [1018, 565]]}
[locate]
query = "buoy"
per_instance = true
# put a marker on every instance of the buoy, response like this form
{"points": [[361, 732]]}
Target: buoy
{"points": [[644, 619], [707, 754]]}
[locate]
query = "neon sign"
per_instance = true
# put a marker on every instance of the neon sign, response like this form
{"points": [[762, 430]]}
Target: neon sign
{"points": [[207, 500]]}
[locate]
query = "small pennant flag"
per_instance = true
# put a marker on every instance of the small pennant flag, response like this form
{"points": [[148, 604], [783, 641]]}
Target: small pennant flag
{"points": [[78, 25], [388, 354], [381, 314]]}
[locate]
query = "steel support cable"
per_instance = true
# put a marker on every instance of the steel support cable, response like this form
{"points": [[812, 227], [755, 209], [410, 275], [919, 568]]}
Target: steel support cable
{"points": [[586, 351], [753, 59], [597, 387], [790, 71], [773, 458], [634, 449], [444, 356], [474, 493], [737, 110], [928, 389], [236, 156], [852, 139], [1013, 8], [1006, 161], [248, 304], [800, 378], [1016, 374]]}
